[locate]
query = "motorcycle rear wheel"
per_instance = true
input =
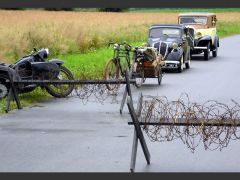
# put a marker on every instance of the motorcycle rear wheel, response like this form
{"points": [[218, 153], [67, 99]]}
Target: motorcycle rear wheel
{"points": [[61, 90]]}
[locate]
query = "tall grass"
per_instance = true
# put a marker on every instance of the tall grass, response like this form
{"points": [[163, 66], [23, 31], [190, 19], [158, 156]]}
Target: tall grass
{"points": [[65, 32], [81, 32]]}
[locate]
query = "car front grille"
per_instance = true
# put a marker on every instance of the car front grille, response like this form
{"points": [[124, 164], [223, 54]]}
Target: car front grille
{"points": [[162, 48]]}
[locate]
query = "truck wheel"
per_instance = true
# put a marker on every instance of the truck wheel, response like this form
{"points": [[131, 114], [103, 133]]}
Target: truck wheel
{"points": [[207, 52]]}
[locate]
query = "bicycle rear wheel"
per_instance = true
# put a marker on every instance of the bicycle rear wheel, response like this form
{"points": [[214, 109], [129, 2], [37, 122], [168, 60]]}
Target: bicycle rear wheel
{"points": [[112, 72]]}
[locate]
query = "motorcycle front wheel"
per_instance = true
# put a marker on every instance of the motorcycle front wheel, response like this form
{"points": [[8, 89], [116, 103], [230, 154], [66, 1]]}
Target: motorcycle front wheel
{"points": [[61, 90]]}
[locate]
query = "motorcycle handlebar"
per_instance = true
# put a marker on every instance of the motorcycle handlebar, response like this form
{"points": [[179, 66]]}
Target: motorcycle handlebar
{"points": [[33, 52]]}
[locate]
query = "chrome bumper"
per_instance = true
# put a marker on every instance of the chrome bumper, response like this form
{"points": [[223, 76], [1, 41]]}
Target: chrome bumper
{"points": [[171, 64], [199, 47]]}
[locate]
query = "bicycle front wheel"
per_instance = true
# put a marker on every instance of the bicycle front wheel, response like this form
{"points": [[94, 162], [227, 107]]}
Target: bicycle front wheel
{"points": [[112, 72]]}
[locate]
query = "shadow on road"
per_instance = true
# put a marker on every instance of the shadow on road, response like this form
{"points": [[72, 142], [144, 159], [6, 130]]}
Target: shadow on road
{"points": [[200, 58]]}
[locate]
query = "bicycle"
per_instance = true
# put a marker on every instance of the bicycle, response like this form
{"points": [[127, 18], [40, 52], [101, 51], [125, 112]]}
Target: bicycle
{"points": [[115, 68]]}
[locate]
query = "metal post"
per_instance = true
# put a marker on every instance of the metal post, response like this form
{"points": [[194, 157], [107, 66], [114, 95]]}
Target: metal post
{"points": [[129, 74], [139, 104], [12, 94], [135, 138], [15, 95], [134, 151], [9, 98], [123, 100], [138, 129], [129, 92]]}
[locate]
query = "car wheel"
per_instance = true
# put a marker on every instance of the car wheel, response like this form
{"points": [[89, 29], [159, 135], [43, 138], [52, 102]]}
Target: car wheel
{"points": [[207, 52], [214, 52], [180, 66]]}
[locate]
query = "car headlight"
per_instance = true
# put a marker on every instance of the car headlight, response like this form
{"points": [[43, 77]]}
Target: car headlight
{"points": [[174, 45], [198, 35]]}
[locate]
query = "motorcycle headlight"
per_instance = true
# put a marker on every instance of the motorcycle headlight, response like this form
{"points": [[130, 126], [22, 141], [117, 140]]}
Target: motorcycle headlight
{"points": [[115, 46], [198, 35], [174, 45], [47, 51]]}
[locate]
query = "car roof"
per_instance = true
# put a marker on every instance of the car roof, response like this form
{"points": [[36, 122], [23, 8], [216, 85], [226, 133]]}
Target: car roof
{"points": [[181, 26], [196, 14]]}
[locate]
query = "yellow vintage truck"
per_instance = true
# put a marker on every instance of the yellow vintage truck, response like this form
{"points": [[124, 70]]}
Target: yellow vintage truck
{"points": [[202, 32]]}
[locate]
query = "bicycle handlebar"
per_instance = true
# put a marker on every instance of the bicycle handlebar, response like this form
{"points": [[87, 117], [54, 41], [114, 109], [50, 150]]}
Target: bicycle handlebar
{"points": [[127, 46]]}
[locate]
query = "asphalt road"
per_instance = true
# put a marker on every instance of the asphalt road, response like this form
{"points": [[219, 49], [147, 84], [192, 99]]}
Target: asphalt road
{"points": [[64, 135]]}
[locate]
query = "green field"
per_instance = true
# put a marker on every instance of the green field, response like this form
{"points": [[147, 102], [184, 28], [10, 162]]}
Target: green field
{"points": [[88, 53]]}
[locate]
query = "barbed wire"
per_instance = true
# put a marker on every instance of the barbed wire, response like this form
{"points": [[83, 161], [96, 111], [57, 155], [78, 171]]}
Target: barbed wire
{"points": [[95, 92], [212, 123], [98, 89]]}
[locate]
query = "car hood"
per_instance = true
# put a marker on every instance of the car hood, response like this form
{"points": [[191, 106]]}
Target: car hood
{"points": [[198, 26], [168, 40]]}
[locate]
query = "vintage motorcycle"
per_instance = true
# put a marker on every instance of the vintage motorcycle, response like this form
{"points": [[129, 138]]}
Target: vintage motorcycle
{"points": [[35, 66]]}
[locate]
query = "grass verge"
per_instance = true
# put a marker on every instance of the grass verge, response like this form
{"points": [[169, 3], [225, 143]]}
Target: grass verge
{"points": [[26, 100]]}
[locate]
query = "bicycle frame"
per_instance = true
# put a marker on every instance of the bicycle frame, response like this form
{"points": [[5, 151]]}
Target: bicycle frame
{"points": [[121, 53]]}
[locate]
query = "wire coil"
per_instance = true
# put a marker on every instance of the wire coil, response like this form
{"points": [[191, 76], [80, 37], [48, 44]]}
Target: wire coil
{"points": [[212, 123]]}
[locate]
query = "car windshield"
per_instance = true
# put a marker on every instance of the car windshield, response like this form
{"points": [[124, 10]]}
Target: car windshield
{"points": [[193, 20], [165, 31]]}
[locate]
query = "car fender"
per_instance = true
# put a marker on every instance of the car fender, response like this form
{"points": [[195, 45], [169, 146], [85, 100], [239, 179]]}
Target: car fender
{"points": [[4, 68], [203, 41], [175, 55], [216, 42]]}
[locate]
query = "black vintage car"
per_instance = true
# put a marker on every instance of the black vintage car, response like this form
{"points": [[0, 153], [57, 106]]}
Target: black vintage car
{"points": [[172, 43]]}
